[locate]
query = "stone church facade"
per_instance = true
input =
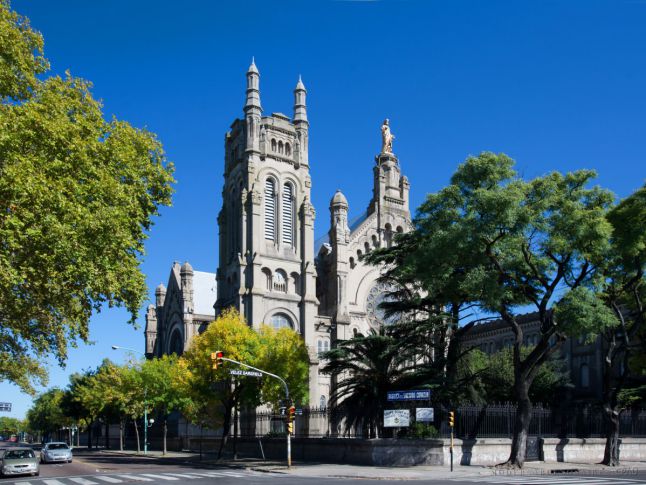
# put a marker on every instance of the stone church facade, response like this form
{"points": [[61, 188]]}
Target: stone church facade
{"points": [[270, 267]]}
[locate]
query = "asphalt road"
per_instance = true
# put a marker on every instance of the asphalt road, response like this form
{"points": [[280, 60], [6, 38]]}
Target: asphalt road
{"points": [[105, 469]]}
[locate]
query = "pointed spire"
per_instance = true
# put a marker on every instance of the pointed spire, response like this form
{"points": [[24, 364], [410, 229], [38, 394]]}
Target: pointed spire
{"points": [[300, 109], [300, 85], [252, 67], [253, 88]]}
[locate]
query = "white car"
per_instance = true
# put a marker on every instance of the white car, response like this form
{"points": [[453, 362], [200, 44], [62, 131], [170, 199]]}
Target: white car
{"points": [[56, 452]]}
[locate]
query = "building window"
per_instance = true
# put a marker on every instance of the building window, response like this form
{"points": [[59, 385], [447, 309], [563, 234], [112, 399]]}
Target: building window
{"points": [[273, 144], [585, 375], [280, 147], [288, 214], [288, 149], [280, 320], [270, 209], [322, 345], [323, 402], [280, 281]]}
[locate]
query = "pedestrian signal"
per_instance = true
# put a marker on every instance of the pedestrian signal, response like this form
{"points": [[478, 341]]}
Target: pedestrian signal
{"points": [[216, 357]]}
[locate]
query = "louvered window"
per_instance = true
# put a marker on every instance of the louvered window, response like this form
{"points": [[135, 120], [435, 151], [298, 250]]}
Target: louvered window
{"points": [[288, 214], [270, 210]]}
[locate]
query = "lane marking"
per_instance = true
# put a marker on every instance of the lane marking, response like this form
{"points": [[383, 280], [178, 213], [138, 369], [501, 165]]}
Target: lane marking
{"points": [[82, 481], [136, 478], [108, 479], [53, 482], [163, 477], [183, 475]]}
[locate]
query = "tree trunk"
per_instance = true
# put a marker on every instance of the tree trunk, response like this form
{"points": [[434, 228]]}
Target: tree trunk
{"points": [[121, 422], [226, 426], [165, 433], [134, 421], [107, 434], [89, 436], [611, 453], [521, 427]]}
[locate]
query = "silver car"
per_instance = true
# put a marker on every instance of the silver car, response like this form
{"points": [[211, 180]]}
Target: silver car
{"points": [[56, 452], [19, 461]]}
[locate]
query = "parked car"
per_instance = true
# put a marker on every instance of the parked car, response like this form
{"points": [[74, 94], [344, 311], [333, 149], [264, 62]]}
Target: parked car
{"points": [[19, 461], [56, 452]]}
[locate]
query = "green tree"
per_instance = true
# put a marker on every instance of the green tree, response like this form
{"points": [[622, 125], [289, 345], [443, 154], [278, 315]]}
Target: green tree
{"points": [[508, 245], [9, 426], [364, 369], [618, 299], [164, 393], [284, 353], [77, 198], [215, 397], [45, 417], [495, 376]]}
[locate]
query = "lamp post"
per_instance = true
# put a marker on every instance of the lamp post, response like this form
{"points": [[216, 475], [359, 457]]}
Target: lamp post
{"points": [[146, 426]]}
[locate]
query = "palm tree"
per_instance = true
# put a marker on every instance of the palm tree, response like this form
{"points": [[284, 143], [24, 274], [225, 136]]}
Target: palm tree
{"points": [[365, 369]]}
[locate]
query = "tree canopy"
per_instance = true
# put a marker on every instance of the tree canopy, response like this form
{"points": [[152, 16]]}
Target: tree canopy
{"points": [[77, 198]]}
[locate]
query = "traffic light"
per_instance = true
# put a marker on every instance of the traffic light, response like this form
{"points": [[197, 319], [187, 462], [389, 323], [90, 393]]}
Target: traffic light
{"points": [[290, 427], [291, 414], [451, 418], [216, 357]]}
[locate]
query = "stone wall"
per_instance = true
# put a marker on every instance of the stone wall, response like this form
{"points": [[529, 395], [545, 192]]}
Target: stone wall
{"points": [[590, 450]]}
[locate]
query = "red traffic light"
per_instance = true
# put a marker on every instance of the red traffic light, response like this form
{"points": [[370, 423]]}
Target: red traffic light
{"points": [[216, 357]]}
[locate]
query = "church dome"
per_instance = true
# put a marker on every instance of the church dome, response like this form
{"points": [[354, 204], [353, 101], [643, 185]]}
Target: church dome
{"points": [[339, 199], [160, 289], [187, 268]]}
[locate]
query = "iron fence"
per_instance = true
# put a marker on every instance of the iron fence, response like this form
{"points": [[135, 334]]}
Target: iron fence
{"points": [[471, 421]]}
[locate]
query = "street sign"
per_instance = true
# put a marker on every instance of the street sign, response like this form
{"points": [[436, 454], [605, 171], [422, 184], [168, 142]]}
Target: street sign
{"points": [[419, 395], [424, 415], [299, 411], [396, 418], [251, 373], [5, 406]]}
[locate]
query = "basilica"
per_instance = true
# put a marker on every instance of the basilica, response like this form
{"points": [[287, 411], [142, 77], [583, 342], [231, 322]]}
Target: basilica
{"points": [[270, 267]]}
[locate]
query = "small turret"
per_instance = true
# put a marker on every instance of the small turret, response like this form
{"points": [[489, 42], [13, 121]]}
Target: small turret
{"points": [[252, 108], [339, 230], [300, 123], [186, 274], [160, 295]]}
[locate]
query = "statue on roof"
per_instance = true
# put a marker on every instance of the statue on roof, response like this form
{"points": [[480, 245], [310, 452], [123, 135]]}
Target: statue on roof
{"points": [[386, 137]]}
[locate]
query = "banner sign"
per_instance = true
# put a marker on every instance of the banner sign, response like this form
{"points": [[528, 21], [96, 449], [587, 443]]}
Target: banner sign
{"points": [[251, 373], [419, 395], [396, 418], [424, 415], [5, 406]]}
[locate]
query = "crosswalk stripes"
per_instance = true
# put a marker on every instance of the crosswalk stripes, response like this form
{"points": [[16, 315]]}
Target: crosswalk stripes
{"points": [[551, 480], [122, 478]]}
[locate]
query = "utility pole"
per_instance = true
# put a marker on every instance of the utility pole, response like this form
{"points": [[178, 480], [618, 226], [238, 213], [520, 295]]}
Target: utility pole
{"points": [[218, 356]]}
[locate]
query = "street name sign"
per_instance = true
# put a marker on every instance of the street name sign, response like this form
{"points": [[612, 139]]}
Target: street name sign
{"points": [[5, 406], [419, 395], [396, 418], [251, 373], [424, 415]]}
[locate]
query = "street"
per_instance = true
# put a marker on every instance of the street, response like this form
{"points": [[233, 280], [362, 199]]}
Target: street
{"points": [[106, 469]]}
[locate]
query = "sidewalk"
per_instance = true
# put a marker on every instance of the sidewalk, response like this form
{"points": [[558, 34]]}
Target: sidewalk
{"points": [[323, 470]]}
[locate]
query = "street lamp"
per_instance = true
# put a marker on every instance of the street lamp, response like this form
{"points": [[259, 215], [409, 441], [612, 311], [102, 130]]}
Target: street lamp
{"points": [[146, 423]]}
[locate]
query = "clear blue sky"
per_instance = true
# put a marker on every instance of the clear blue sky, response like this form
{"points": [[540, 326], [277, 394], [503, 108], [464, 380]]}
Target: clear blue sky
{"points": [[557, 85]]}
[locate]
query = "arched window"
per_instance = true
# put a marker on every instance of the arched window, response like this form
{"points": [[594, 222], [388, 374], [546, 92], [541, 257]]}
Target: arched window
{"points": [[375, 241], [352, 263], [297, 283], [322, 346], [366, 246], [288, 150], [323, 402], [273, 144], [288, 214], [268, 278], [585, 375], [280, 320], [270, 209], [400, 229], [176, 344], [388, 235], [280, 281], [280, 147]]}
